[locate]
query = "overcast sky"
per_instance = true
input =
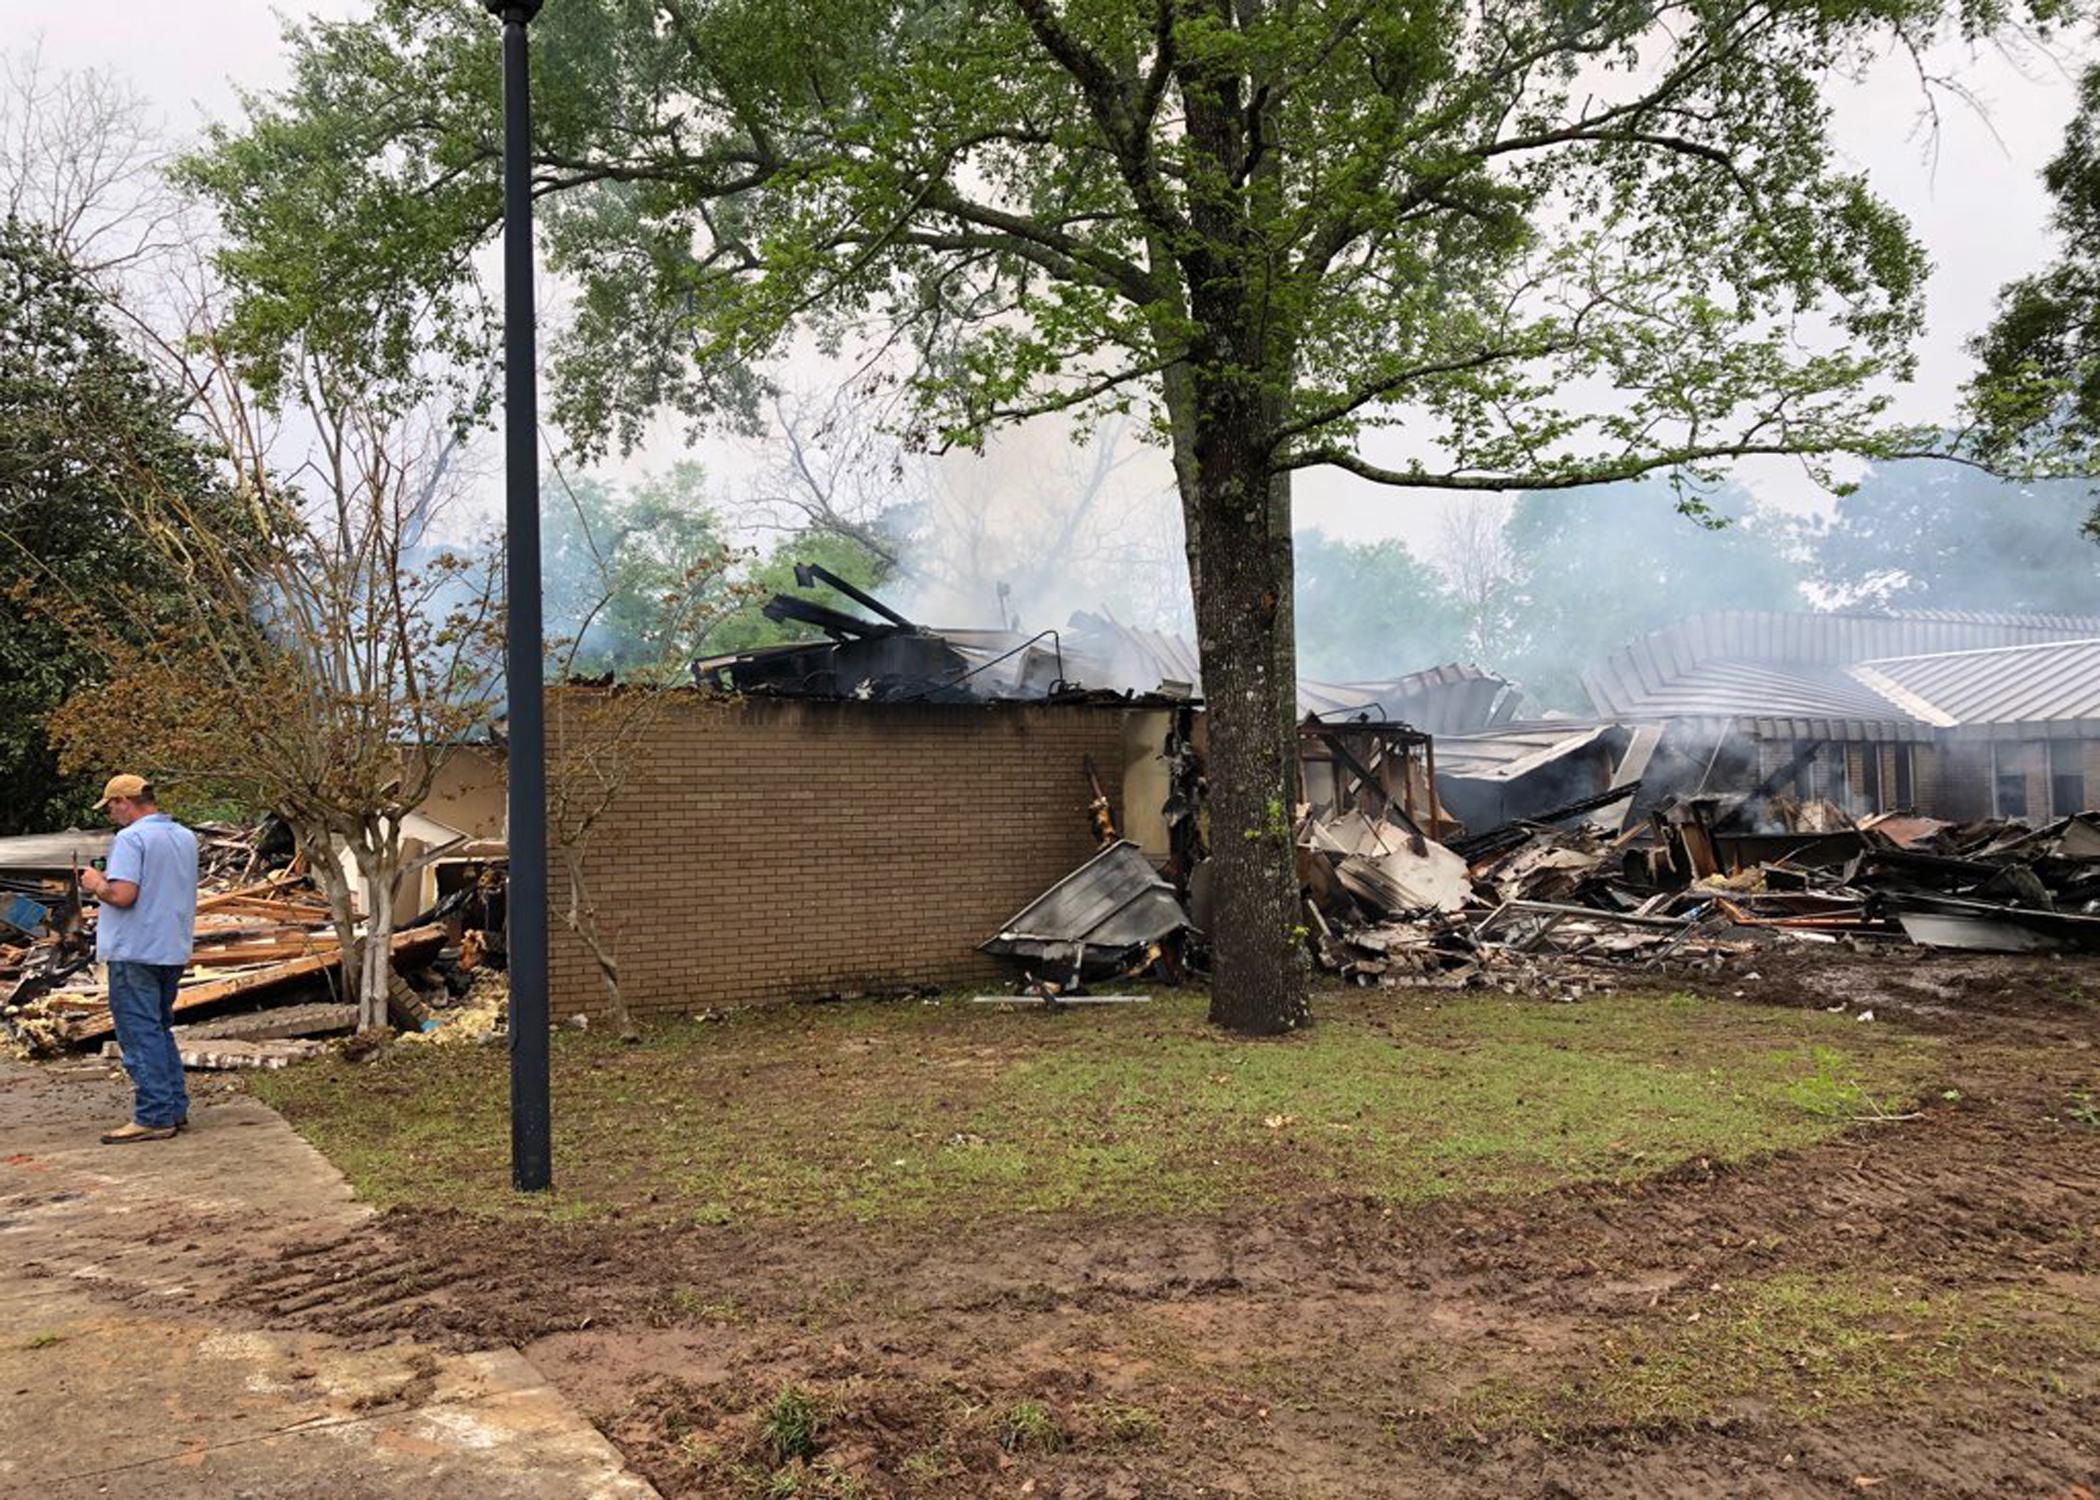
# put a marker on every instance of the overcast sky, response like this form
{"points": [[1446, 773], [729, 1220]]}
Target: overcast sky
{"points": [[1972, 191]]}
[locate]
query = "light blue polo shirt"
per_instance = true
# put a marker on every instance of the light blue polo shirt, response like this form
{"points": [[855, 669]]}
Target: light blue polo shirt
{"points": [[159, 856]]}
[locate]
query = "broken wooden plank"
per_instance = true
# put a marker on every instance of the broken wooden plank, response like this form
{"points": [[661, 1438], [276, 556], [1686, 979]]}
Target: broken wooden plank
{"points": [[419, 944], [220, 955], [220, 1056], [317, 1019]]}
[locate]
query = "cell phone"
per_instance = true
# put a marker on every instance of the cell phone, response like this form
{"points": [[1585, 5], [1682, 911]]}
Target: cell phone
{"points": [[99, 862]]}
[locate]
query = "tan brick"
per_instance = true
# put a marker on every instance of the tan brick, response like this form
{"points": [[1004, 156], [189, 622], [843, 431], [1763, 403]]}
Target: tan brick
{"points": [[812, 846]]}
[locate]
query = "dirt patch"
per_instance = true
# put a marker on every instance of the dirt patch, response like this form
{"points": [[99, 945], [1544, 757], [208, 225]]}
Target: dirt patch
{"points": [[1906, 1309]]}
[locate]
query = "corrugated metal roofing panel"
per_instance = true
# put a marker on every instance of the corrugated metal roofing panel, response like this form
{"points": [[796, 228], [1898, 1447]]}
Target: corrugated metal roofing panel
{"points": [[1842, 636], [1661, 664], [1613, 735], [2012, 685], [1996, 617], [1485, 754], [1746, 689], [1450, 699]]}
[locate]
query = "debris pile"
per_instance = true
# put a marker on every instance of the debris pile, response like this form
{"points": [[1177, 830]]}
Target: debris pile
{"points": [[1537, 910], [265, 975], [1703, 883], [1993, 887]]}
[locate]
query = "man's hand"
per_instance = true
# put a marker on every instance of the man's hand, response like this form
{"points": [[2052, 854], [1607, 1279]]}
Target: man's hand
{"points": [[109, 892]]}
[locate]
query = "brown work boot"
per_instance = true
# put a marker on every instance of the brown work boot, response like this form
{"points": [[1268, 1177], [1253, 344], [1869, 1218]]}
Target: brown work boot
{"points": [[124, 1135]]}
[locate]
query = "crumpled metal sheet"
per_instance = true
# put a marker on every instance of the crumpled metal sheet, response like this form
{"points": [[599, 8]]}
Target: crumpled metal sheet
{"points": [[1114, 903]]}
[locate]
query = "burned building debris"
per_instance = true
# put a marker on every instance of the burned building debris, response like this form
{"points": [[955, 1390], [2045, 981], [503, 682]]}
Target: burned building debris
{"points": [[891, 658], [882, 659], [1895, 783], [1731, 790], [1114, 915], [1540, 906], [264, 976]]}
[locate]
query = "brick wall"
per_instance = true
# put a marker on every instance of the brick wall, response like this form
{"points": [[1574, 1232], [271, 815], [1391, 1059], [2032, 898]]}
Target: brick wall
{"points": [[766, 849]]}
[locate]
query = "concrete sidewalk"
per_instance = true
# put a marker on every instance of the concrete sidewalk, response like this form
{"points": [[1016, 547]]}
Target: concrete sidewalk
{"points": [[123, 1373]]}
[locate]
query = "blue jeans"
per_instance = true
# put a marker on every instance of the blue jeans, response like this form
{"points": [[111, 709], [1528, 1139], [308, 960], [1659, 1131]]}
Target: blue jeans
{"points": [[142, 1003]]}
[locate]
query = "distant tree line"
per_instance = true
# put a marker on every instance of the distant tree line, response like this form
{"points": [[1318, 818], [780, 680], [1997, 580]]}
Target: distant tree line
{"points": [[1569, 577]]}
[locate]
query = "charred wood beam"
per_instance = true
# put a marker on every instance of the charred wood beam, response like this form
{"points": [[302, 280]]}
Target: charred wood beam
{"points": [[1784, 774], [1517, 830], [835, 623], [809, 575]]}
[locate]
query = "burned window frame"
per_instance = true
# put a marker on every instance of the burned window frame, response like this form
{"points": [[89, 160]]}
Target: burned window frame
{"points": [[1837, 778], [2063, 800], [1870, 778], [2003, 779]]}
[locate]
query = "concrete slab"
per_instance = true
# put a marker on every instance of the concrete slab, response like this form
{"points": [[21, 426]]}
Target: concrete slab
{"points": [[124, 1373]]}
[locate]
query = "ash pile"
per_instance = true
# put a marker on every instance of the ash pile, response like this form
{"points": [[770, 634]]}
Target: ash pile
{"points": [[1573, 903], [264, 984]]}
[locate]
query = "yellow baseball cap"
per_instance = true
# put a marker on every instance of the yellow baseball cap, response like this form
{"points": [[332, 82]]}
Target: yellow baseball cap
{"points": [[122, 786]]}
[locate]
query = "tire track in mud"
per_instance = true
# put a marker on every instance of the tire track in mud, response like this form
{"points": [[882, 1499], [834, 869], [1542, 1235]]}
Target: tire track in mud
{"points": [[1993, 1187]]}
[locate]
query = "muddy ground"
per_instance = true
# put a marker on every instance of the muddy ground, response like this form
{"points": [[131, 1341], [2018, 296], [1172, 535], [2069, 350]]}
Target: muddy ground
{"points": [[1911, 1308]]}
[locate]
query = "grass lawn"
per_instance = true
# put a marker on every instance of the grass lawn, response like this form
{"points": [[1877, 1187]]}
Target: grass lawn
{"points": [[949, 1112], [1434, 1245]]}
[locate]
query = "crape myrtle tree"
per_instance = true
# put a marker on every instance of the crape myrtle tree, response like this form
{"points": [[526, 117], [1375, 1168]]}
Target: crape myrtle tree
{"points": [[1500, 245], [303, 646]]}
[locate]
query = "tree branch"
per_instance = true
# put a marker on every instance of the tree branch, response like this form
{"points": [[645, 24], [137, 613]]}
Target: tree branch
{"points": [[1630, 466]]}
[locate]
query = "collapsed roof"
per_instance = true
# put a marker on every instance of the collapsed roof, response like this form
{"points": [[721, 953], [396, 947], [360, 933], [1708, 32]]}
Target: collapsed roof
{"points": [[892, 659]]}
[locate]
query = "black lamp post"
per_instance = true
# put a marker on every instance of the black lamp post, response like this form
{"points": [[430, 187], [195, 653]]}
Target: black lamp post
{"points": [[531, 1121]]}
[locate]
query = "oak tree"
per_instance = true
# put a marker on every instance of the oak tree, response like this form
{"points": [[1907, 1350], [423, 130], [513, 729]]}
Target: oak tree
{"points": [[2035, 399], [1496, 245]]}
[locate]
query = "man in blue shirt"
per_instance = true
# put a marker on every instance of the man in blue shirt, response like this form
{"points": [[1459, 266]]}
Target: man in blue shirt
{"points": [[143, 933]]}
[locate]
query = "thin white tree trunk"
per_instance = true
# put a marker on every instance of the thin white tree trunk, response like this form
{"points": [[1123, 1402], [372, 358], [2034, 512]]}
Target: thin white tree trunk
{"points": [[582, 919], [376, 866], [318, 848]]}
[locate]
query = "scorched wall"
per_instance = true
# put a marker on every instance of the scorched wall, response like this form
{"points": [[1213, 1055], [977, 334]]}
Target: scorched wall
{"points": [[770, 849]]}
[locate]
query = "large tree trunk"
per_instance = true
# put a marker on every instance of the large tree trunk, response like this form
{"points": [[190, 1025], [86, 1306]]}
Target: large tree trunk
{"points": [[1225, 404], [1245, 632]]}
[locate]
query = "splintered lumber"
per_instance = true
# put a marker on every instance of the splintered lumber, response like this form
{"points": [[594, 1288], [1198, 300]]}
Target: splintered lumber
{"points": [[275, 888], [1596, 914], [280, 913], [221, 1055], [318, 1019], [415, 946], [268, 950]]}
